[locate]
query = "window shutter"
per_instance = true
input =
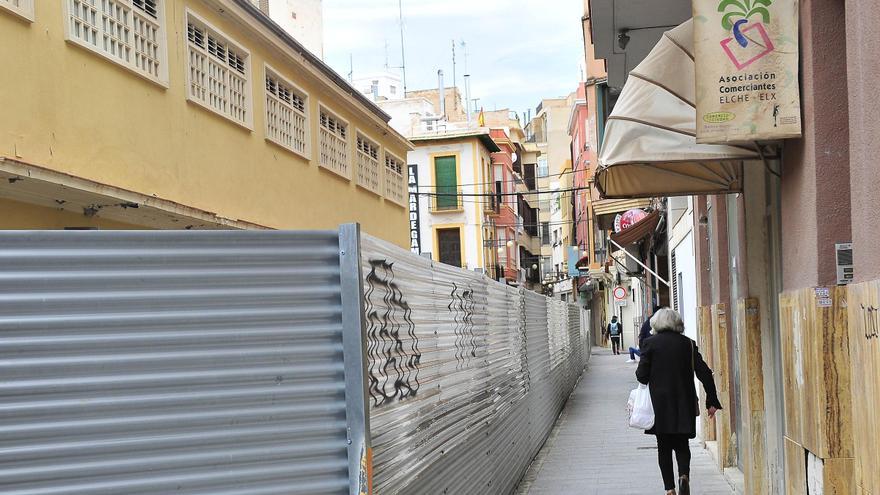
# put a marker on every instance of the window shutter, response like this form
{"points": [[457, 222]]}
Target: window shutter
{"points": [[446, 181]]}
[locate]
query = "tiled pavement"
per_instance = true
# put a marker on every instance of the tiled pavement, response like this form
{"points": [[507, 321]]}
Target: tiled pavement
{"points": [[592, 450]]}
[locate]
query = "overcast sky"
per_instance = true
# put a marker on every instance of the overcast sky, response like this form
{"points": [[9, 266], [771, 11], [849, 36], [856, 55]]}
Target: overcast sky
{"points": [[519, 51]]}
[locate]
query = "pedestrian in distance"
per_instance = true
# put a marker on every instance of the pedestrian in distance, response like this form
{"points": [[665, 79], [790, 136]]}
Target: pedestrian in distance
{"points": [[615, 331], [644, 333], [668, 363]]}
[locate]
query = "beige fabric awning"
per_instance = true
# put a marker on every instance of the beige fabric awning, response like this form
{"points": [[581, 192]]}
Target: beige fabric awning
{"points": [[650, 146], [615, 206]]}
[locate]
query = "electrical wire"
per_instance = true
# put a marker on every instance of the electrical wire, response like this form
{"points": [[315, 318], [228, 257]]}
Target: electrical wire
{"points": [[490, 195], [567, 172]]}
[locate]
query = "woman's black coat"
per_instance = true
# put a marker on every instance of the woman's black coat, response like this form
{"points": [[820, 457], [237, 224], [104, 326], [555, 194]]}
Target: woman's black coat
{"points": [[665, 367]]}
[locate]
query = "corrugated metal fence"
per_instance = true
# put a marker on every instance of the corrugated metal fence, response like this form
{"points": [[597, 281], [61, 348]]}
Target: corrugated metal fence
{"points": [[229, 363], [467, 375]]}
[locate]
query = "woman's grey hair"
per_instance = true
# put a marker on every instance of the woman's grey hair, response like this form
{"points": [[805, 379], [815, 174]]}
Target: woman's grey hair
{"points": [[667, 320]]}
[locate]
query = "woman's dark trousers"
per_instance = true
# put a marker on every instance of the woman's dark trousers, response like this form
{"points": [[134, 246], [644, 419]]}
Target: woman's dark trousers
{"points": [[666, 444]]}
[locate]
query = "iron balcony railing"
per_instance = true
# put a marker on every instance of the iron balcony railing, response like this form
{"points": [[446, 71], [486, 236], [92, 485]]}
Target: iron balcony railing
{"points": [[447, 200]]}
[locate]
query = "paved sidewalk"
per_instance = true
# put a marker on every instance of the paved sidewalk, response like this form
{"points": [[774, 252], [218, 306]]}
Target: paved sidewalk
{"points": [[593, 451]]}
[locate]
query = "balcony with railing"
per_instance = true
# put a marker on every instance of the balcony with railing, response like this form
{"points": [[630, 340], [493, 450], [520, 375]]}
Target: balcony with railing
{"points": [[447, 200]]}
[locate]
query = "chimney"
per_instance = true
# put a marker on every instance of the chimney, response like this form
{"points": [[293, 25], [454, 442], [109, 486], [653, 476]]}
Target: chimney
{"points": [[442, 94]]}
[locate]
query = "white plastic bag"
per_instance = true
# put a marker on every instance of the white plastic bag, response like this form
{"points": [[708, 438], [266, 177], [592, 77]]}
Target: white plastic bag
{"points": [[642, 415], [631, 404]]}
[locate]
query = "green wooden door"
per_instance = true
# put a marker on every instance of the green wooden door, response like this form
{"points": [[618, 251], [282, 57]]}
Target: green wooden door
{"points": [[446, 182]]}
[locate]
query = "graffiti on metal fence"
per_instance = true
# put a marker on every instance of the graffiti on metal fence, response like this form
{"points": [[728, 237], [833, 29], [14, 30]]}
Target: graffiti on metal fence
{"points": [[392, 343], [462, 305], [871, 318]]}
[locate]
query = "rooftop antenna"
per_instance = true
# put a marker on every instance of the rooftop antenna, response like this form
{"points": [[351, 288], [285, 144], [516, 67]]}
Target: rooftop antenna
{"points": [[454, 78], [386, 53], [402, 51], [350, 67]]}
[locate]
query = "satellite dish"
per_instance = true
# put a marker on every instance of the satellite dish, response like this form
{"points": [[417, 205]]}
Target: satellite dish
{"points": [[514, 157]]}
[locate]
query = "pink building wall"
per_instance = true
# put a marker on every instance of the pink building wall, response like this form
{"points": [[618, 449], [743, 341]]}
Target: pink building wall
{"points": [[816, 173], [863, 46]]}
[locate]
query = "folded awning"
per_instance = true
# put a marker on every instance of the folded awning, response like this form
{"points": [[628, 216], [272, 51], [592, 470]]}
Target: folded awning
{"points": [[638, 231], [605, 210], [650, 146]]}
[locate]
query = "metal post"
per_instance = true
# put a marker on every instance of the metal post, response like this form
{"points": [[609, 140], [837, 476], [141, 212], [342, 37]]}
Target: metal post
{"points": [[467, 98], [357, 407], [652, 272], [402, 49]]}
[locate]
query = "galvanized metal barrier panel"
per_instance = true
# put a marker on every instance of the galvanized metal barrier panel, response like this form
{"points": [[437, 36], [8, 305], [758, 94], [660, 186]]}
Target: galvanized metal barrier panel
{"points": [[177, 362], [467, 376]]}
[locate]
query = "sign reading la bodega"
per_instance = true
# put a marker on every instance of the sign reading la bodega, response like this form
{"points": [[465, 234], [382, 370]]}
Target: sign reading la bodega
{"points": [[747, 70]]}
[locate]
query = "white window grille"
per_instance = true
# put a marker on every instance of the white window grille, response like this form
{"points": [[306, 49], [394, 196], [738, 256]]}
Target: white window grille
{"points": [[369, 173], [286, 114], [22, 8], [128, 32], [334, 145], [395, 181], [218, 72]]}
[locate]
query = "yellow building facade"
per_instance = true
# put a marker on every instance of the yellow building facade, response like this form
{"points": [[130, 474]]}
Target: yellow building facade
{"points": [[185, 114]]}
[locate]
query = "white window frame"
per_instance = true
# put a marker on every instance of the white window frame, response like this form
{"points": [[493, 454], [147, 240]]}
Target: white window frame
{"points": [[248, 123], [161, 39], [349, 158], [268, 70], [24, 10], [403, 200]]}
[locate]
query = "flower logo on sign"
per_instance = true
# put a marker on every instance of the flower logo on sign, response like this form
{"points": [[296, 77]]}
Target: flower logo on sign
{"points": [[751, 43]]}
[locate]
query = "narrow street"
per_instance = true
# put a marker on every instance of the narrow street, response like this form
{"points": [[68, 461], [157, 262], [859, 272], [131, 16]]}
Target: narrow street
{"points": [[593, 451]]}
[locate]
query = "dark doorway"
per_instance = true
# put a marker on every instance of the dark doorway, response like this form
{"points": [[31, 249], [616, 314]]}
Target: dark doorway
{"points": [[449, 244]]}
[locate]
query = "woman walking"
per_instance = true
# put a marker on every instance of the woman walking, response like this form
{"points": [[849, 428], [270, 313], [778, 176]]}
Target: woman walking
{"points": [[668, 363]]}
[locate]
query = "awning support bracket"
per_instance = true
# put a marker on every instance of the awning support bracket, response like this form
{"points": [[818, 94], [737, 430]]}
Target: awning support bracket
{"points": [[652, 272]]}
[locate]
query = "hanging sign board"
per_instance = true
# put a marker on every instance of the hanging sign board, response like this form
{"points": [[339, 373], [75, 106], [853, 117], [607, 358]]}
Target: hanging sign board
{"points": [[746, 56]]}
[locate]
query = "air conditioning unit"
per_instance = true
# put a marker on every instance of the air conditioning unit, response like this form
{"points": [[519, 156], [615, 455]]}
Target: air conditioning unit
{"points": [[481, 271], [844, 255]]}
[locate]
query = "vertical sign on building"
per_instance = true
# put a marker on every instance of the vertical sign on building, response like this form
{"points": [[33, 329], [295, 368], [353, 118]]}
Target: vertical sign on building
{"points": [[746, 56], [415, 240], [574, 255]]}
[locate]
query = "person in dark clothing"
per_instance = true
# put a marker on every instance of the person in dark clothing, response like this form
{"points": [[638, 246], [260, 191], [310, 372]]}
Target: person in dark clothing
{"points": [[615, 331], [668, 364], [644, 333]]}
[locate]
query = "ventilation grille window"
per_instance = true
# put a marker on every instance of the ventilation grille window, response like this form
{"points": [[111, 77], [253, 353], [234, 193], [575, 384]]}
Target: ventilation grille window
{"points": [[334, 145], [129, 32], [23, 8], [369, 173], [395, 182], [286, 120], [218, 76]]}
